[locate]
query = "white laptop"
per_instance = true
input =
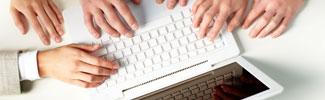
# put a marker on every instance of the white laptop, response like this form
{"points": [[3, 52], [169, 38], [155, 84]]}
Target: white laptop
{"points": [[166, 60]]}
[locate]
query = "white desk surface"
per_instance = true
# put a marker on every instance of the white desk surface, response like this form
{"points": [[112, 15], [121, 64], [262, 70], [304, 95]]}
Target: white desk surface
{"points": [[296, 60]]}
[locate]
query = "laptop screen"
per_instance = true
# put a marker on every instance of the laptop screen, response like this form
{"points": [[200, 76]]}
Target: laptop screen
{"points": [[244, 85]]}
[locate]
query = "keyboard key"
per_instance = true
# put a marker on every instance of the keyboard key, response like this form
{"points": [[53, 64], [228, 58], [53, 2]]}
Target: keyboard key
{"points": [[191, 47], [147, 69], [192, 38], [127, 51], [122, 71], [174, 53], [136, 49], [166, 47], [163, 31], [175, 44], [171, 27], [130, 68], [179, 25], [128, 42], [111, 48], [138, 73], [177, 16], [147, 62], [183, 57], [118, 55], [139, 66], [188, 22], [182, 50], [141, 56], [154, 33], [165, 56], [158, 49], [165, 64], [149, 53], [192, 54], [145, 36], [120, 79], [119, 45], [144, 46], [199, 44], [129, 76], [115, 39], [178, 34], [132, 59], [123, 62], [187, 13], [201, 50], [156, 66], [156, 59], [114, 76], [174, 60], [136, 39], [183, 41], [111, 82], [210, 47], [161, 39], [153, 42], [170, 36], [187, 31]]}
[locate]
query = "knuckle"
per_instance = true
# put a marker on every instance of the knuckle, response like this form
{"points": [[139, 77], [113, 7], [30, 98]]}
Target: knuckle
{"points": [[172, 1], [97, 61], [92, 78], [98, 70], [208, 15], [84, 85]]}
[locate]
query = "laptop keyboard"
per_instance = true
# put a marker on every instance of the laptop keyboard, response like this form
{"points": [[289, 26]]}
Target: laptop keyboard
{"points": [[155, 50]]}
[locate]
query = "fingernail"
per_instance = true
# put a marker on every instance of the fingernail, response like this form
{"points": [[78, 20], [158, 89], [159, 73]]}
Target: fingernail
{"points": [[96, 35], [58, 39], [129, 34], [96, 46], [134, 26], [47, 42], [115, 65], [116, 35]]}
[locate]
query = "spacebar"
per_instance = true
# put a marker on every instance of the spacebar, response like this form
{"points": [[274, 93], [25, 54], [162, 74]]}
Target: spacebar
{"points": [[158, 74]]}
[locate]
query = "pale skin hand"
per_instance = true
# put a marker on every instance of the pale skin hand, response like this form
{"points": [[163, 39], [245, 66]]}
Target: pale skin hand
{"points": [[74, 64], [172, 3], [275, 16], [43, 15], [205, 11], [104, 13]]}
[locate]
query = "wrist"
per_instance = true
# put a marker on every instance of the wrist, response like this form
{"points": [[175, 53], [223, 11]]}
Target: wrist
{"points": [[41, 63]]}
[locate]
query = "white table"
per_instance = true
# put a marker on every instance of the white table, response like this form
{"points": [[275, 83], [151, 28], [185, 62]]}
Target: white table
{"points": [[296, 60]]}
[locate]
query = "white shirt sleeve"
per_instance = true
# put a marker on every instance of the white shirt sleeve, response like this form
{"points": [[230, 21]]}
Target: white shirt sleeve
{"points": [[28, 66]]}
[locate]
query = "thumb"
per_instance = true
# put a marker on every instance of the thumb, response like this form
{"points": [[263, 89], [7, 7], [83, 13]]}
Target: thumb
{"points": [[86, 47], [137, 2]]}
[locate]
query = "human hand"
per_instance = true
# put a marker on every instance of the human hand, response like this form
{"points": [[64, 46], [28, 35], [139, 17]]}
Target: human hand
{"points": [[172, 3], [74, 64], [275, 16], [44, 16], [104, 13], [205, 11]]}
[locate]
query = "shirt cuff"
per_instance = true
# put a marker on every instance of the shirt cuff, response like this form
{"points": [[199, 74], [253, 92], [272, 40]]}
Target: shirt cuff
{"points": [[28, 67]]}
